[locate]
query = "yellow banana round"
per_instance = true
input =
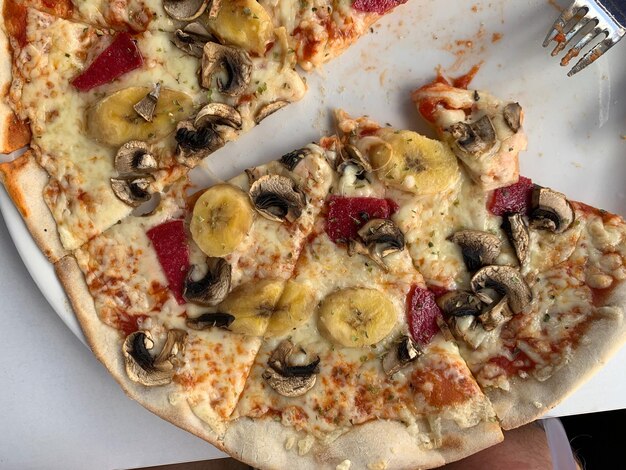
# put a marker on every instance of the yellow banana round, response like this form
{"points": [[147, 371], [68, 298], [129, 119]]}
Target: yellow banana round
{"points": [[357, 317], [221, 219]]}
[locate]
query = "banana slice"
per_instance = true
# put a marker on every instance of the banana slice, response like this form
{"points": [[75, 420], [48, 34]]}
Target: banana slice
{"points": [[357, 317], [414, 163], [294, 308], [243, 23], [252, 304], [221, 219], [114, 121]]}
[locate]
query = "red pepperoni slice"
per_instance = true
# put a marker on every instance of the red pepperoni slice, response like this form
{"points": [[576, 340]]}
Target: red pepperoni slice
{"points": [[512, 199], [422, 312], [346, 215], [170, 243], [376, 6], [119, 58]]}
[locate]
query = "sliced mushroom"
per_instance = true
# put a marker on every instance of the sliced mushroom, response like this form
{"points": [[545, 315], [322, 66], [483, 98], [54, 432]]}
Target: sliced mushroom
{"points": [[478, 248], [216, 5], [459, 303], [292, 159], [400, 355], [213, 287], [146, 369], [516, 229], [495, 314], [356, 247], [277, 198], [210, 320], [476, 138], [382, 236], [513, 116], [192, 38], [196, 144], [287, 379], [134, 158], [185, 10], [218, 113], [132, 191], [550, 210], [235, 62], [145, 108], [507, 281], [351, 155], [268, 109]]}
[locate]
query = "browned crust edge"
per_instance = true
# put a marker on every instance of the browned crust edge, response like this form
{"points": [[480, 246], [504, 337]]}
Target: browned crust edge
{"points": [[105, 343], [529, 399], [14, 134], [25, 180]]}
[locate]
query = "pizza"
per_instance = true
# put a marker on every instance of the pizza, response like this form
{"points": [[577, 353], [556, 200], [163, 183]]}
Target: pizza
{"points": [[377, 299]]}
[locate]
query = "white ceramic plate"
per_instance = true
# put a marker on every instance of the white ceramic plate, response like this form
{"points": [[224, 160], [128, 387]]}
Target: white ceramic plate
{"points": [[576, 126]]}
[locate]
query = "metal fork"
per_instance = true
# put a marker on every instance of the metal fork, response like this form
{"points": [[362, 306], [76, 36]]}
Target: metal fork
{"points": [[593, 18]]}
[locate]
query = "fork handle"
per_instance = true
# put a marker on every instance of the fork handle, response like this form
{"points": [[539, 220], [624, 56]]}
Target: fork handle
{"points": [[615, 8]]}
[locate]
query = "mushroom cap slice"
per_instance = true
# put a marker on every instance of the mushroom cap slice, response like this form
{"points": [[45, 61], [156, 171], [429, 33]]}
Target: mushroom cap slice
{"points": [[196, 144], [146, 369], [213, 287], [517, 231], [512, 114], [292, 159], [507, 281], [286, 379], [400, 355], [459, 303], [192, 38], [132, 191], [478, 248], [218, 113], [270, 108], [134, 158], [235, 62], [146, 106], [185, 10], [495, 314], [382, 236], [288, 386], [550, 210], [477, 138], [210, 320], [351, 155], [277, 198]]}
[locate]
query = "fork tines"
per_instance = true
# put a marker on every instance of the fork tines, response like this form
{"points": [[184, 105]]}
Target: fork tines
{"points": [[591, 19]]}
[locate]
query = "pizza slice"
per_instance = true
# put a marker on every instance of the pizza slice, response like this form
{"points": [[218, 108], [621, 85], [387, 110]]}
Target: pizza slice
{"points": [[485, 133], [175, 303], [353, 367], [95, 102]]}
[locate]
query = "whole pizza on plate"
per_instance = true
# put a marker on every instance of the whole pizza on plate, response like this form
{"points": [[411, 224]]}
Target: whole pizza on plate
{"points": [[375, 283]]}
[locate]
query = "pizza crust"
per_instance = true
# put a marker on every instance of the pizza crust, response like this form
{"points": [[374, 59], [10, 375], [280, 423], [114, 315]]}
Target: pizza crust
{"points": [[529, 399], [105, 343], [14, 134], [25, 181], [375, 444]]}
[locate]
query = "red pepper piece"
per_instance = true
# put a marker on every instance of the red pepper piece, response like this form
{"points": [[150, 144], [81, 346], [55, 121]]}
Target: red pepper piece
{"points": [[170, 243], [346, 215], [120, 57], [512, 199], [422, 312], [376, 6]]}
